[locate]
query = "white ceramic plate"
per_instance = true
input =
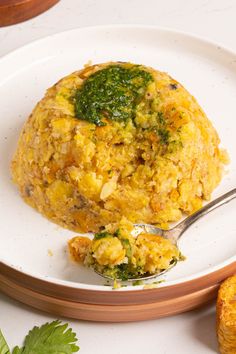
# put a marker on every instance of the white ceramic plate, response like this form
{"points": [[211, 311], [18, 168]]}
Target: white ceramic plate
{"points": [[205, 69]]}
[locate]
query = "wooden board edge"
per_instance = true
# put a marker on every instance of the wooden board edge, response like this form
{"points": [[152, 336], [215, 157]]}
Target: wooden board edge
{"points": [[120, 297], [107, 313]]}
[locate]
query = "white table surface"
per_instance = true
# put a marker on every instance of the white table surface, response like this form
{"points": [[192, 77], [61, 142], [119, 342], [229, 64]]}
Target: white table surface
{"points": [[192, 332]]}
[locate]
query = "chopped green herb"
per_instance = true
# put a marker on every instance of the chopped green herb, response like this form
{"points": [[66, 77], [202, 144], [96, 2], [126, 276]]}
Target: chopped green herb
{"points": [[126, 244], [4, 349], [174, 145], [53, 338], [164, 135], [112, 92], [137, 282], [123, 272], [161, 119], [102, 234], [161, 129]]}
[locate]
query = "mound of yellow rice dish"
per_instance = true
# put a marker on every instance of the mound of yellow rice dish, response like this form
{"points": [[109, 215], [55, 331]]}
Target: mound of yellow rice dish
{"points": [[118, 254], [117, 140]]}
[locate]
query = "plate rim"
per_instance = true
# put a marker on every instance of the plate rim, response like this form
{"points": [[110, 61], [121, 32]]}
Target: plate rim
{"points": [[189, 34]]}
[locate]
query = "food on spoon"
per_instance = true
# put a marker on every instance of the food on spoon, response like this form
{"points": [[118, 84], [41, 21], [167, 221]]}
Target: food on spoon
{"points": [[113, 140], [226, 316], [116, 253]]}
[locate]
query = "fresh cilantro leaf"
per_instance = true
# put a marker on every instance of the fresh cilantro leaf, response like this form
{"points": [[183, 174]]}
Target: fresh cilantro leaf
{"points": [[4, 349], [17, 350], [50, 338]]}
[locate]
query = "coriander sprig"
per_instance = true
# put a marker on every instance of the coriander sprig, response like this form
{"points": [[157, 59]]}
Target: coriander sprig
{"points": [[50, 338], [4, 349]]}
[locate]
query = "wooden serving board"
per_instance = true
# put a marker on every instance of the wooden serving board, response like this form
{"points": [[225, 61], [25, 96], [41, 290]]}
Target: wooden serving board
{"points": [[15, 11], [107, 313], [111, 306]]}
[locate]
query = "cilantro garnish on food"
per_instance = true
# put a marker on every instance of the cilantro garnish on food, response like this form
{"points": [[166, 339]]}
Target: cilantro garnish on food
{"points": [[50, 338], [112, 92]]}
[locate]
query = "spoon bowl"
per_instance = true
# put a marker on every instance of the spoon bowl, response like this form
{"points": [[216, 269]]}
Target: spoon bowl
{"points": [[176, 232]]}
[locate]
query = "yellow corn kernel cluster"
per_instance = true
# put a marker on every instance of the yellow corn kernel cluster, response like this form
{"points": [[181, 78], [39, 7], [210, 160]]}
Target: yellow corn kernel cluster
{"points": [[226, 316]]}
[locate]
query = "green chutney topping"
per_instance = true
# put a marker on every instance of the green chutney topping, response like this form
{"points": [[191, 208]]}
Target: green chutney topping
{"points": [[112, 92], [102, 234]]}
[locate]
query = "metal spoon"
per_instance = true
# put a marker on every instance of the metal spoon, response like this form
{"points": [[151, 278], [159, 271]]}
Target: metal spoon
{"points": [[177, 231]]}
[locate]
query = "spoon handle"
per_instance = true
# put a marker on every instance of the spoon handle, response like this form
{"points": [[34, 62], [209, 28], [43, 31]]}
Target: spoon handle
{"points": [[183, 225]]}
